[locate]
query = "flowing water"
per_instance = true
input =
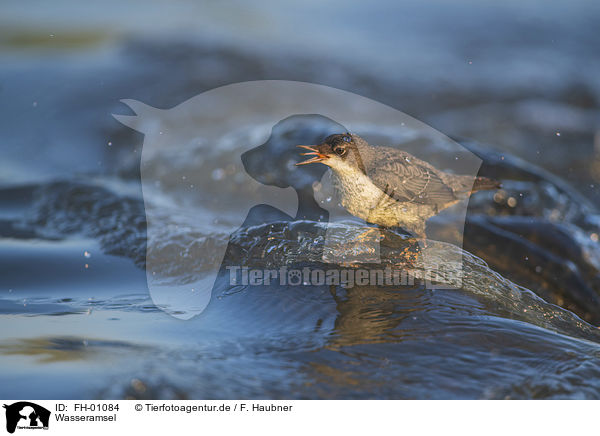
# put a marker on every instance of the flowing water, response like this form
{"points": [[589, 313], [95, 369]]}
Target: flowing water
{"points": [[75, 309]]}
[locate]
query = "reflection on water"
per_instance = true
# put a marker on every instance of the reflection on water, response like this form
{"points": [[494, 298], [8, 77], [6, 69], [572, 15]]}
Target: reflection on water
{"points": [[52, 350]]}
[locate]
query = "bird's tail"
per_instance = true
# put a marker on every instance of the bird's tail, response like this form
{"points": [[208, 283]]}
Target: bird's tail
{"points": [[463, 186], [484, 183]]}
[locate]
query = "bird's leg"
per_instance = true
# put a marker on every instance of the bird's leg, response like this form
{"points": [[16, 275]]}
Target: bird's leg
{"points": [[417, 229], [422, 235]]}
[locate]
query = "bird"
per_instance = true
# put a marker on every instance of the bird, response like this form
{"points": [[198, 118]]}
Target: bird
{"points": [[390, 187]]}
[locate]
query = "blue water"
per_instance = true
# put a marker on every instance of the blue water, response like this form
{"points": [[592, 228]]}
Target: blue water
{"points": [[520, 77]]}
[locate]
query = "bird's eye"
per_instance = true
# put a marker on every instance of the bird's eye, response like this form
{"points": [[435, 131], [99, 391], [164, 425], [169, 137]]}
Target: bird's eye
{"points": [[340, 151], [347, 138]]}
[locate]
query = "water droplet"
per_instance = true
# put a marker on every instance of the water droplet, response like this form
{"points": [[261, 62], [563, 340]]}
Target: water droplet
{"points": [[499, 196], [218, 174]]}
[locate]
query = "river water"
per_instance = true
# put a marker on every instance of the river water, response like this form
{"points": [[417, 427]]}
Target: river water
{"points": [[516, 83]]}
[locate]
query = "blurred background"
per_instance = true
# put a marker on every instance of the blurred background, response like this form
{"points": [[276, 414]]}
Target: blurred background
{"points": [[520, 76]]}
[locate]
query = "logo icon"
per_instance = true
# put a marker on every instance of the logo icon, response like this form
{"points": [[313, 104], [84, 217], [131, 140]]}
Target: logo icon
{"points": [[26, 415]]}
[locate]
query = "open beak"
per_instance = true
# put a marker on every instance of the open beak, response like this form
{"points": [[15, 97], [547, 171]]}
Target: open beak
{"points": [[318, 157]]}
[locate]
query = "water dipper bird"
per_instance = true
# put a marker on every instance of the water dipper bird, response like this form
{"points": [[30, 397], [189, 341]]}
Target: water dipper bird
{"points": [[390, 187]]}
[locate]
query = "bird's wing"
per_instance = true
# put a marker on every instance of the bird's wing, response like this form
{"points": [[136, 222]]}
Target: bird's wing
{"points": [[408, 179]]}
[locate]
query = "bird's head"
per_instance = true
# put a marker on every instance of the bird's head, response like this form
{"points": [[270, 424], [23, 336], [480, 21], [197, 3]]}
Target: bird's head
{"points": [[337, 151]]}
